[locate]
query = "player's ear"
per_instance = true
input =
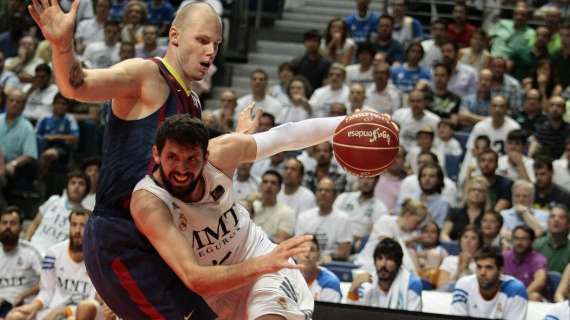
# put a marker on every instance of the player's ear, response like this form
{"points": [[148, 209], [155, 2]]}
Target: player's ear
{"points": [[206, 155], [155, 154], [173, 36]]}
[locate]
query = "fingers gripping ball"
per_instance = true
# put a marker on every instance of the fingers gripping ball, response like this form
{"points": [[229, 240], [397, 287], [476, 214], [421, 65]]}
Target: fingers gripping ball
{"points": [[366, 143]]}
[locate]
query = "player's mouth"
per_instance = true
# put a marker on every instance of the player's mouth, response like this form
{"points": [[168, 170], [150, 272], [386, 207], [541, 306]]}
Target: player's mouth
{"points": [[180, 178], [205, 65]]}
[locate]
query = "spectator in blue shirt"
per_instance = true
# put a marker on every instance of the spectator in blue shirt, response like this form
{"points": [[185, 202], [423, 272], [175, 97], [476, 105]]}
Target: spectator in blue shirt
{"points": [[362, 23], [385, 43], [118, 10], [406, 76], [160, 13], [58, 133]]}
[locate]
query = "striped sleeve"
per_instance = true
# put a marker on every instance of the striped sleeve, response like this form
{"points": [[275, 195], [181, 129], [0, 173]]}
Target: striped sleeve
{"points": [[459, 299], [47, 278]]}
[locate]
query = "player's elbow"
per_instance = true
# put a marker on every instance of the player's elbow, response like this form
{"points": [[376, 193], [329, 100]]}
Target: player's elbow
{"points": [[197, 281]]}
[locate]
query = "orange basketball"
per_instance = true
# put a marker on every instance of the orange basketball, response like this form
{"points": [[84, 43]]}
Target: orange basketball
{"points": [[366, 143]]}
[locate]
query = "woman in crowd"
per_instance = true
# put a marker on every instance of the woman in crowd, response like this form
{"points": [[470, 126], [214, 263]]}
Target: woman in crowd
{"points": [[133, 22], [544, 80], [297, 107], [428, 254], [491, 225], [476, 55], [337, 45]]}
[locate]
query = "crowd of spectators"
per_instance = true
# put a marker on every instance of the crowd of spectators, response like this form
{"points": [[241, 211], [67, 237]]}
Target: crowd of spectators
{"points": [[476, 199]]}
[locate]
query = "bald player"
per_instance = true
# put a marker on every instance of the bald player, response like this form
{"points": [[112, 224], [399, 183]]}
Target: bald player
{"points": [[127, 271]]}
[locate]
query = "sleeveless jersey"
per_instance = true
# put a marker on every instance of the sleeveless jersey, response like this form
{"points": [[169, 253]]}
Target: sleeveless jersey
{"points": [[127, 146], [221, 231]]}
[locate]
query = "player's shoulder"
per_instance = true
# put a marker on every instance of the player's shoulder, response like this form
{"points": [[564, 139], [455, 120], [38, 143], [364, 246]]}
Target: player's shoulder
{"points": [[466, 283], [415, 284], [512, 287], [55, 250], [328, 279]]}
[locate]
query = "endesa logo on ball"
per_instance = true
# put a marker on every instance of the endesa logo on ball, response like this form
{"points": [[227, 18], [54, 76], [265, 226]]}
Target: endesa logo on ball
{"points": [[371, 135]]}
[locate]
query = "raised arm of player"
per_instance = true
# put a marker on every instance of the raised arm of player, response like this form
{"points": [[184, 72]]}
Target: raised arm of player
{"points": [[153, 219]]}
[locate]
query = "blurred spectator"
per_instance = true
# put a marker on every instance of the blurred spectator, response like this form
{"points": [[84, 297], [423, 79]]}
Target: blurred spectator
{"points": [[15, 17], [525, 264], [126, 51], [515, 164], [84, 12], [555, 245], [403, 227], [470, 161], [330, 227], [337, 46], [117, 11], [160, 14], [58, 133], [544, 79], [52, 220], [93, 29], [424, 143], [362, 209], [295, 195], [562, 58], [19, 260], [474, 204], [490, 293], [149, 48], [454, 267], [531, 116], [547, 192], [8, 79], [63, 280], [312, 65], [522, 213], [475, 107], [285, 72], [505, 85], [445, 138], [432, 47], [552, 18], [413, 118], [382, 95], [297, 106], [356, 98], [410, 186], [323, 153], [324, 285], [25, 63], [91, 168], [244, 183], [509, 35], [406, 28], [550, 136], [476, 55], [266, 122], [41, 94], [384, 41], [460, 31], [227, 109], [428, 253], [335, 91], [562, 292], [275, 162], [499, 186], [105, 53], [134, 18], [393, 287], [491, 226], [389, 183], [561, 168], [361, 72], [440, 99], [496, 126], [274, 217], [362, 23], [463, 79], [524, 59], [406, 76], [258, 84]]}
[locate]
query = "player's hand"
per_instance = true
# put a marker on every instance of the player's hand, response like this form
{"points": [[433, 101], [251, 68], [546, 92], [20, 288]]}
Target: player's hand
{"points": [[362, 277], [27, 311], [56, 25], [246, 123], [279, 257]]}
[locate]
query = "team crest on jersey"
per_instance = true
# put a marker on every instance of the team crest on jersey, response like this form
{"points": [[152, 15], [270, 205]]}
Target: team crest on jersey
{"points": [[499, 307], [182, 221], [217, 193]]}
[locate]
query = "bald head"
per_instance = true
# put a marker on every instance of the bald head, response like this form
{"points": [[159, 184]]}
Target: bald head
{"points": [[192, 11]]}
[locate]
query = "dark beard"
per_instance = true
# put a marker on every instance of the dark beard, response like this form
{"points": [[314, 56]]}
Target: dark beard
{"points": [[8, 238], [74, 246], [391, 275], [178, 192]]}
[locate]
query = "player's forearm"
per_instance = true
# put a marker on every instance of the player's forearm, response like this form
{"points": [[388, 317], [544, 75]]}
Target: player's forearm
{"points": [[28, 292]]}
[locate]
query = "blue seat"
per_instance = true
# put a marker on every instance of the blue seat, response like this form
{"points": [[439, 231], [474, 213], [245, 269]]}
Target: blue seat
{"points": [[342, 269], [452, 166], [451, 247]]}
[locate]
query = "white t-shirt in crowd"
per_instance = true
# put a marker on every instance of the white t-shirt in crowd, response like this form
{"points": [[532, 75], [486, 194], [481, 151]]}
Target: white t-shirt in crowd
{"points": [[323, 97], [273, 219], [291, 113], [89, 201], [242, 189], [54, 227], [268, 104], [302, 200], [451, 265], [561, 175], [40, 102], [355, 75], [100, 55], [361, 214], [450, 147], [90, 30], [510, 302], [506, 169], [21, 269], [498, 136], [330, 229], [409, 126], [387, 101], [410, 188]]}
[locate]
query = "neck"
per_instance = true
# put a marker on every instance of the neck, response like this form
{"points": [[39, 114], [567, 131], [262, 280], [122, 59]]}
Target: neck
{"points": [[531, 113], [76, 256], [269, 202], [150, 46], [385, 285], [491, 178], [440, 91], [170, 58], [325, 211], [242, 178], [521, 255], [365, 66], [418, 115], [413, 64], [498, 122], [491, 293], [362, 12], [258, 96], [556, 123], [485, 94], [101, 19], [366, 195], [381, 87], [9, 248], [291, 188], [558, 238], [309, 274], [473, 211], [11, 118]]}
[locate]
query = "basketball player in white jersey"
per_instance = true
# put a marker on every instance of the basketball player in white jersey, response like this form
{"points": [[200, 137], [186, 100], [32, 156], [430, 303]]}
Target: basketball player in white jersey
{"points": [[190, 196]]}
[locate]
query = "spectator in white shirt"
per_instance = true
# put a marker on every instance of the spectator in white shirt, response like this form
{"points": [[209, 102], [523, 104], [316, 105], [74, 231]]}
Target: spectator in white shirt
{"points": [[445, 138], [490, 294], [150, 48], [285, 72], [383, 96], [561, 167], [293, 193], [464, 79], [92, 30], [41, 94], [454, 267], [361, 72], [104, 54], [244, 184], [514, 164], [432, 47], [335, 91], [258, 83], [296, 106], [25, 63]]}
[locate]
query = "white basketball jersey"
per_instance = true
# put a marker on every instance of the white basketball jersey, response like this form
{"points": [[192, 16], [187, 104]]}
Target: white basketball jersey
{"points": [[20, 270], [220, 230], [54, 227]]}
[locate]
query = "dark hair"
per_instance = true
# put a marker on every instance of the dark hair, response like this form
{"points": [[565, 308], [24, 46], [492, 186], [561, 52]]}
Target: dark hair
{"points": [[490, 151], [490, 252], [68, 102], [387, 16], [328, 36], [11, 209], [497, 216], [517, 135], [431, 154], [305, 82], [552, 81], [286, 65], [311, 35], [111, 23], [43, 67], [439, 172], [472, 228], [543, 162], [91, 161], [366, 47], [430, 223], [270, 116], [390, 249], [259, 70], [415, 44], [316, 242], [526, 229], [481, 32], [485, 138], [182, 129], [446, 122], [81, 175], [274, 173], [561, 206], [300, 163], [439, 21], [79, 212], [455, 44], [443, 65]]}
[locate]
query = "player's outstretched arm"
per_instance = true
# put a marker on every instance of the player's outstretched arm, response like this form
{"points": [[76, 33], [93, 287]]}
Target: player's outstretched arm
{"points": [[153, 219], [74, 81]]}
